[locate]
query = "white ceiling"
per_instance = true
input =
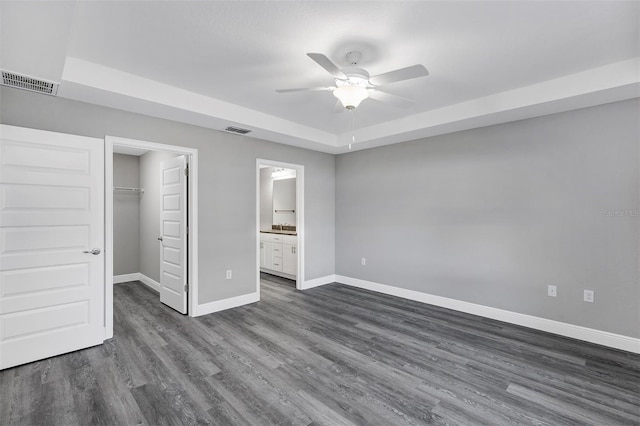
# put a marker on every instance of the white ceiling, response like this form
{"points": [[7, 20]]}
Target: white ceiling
{"points": [[218, 63]]}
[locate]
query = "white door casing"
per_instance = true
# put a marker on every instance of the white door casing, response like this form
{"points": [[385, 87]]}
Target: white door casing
{"points": [[194, 309], [51, 218], [173, 234]]}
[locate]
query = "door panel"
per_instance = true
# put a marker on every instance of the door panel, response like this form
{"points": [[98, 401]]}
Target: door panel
{"points": [[51, 212], [173, 226], [50, 238]]}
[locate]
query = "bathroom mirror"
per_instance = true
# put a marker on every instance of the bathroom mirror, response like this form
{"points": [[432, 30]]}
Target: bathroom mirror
{"points": [[284, 201]]}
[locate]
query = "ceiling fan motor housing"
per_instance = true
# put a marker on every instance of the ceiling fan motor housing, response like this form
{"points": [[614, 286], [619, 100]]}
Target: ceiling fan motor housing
{"points": [[355, 77]]}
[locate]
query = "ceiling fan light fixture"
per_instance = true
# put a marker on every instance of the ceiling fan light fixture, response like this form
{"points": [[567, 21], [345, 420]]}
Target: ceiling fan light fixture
{"points": [[351, 96]]}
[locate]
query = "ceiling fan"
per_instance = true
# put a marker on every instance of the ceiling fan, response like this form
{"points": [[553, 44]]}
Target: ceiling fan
{"points": [[353, 84]]}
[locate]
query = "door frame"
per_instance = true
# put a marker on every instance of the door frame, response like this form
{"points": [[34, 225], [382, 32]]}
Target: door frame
{"points": [[299, 217], [192, 217]]}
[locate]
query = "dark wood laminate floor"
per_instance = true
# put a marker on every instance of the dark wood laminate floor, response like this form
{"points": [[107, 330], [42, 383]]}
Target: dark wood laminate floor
{"points": [[333, 355]]}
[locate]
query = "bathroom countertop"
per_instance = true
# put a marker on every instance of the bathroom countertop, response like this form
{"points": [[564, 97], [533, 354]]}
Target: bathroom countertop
{"points": [[276, 231]]}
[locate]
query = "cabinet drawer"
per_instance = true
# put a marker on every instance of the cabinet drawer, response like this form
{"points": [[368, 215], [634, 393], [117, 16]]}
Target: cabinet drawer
{"points": [[271, 238], [277, 264], [277, 250]]}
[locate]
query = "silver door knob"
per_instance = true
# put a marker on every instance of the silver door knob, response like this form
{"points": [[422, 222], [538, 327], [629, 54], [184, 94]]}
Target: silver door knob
{"points": [[95, 251]]}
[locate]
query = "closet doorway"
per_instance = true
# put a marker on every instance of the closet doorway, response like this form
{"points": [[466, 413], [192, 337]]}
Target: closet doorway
{"points": [[156, 183]]}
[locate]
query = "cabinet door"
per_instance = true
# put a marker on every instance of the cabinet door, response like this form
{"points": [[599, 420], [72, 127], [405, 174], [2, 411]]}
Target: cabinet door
{"points": [[289, 259], [266, 255], [261, 254]]}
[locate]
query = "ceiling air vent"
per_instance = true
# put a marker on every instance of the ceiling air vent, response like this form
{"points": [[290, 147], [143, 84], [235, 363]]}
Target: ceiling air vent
{"points": [[237, 130], [26, 82]]}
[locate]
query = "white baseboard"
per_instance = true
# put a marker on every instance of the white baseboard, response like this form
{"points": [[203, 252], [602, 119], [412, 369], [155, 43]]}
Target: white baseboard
{"points": [[599, 337], [152, 284], [125, 278], [221, 305], [137, 276], [306, 285]]}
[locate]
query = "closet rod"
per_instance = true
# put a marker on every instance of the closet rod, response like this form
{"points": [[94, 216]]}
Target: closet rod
{"points": [[120, 188]]}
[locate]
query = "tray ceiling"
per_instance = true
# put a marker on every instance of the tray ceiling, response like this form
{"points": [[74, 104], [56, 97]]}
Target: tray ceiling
{"points": [[217, 64]]}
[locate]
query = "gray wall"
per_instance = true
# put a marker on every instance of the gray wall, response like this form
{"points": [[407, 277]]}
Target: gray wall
{"points": [[489, 216], [227, 182], [150, 180], [493, 215], [126, 211]]}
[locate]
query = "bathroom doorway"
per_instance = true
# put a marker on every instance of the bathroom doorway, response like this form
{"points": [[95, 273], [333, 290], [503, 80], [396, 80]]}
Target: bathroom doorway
{"points": [[280, 220]]}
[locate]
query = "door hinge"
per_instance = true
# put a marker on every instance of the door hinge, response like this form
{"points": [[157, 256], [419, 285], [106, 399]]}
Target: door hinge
{"points": [[187, 230], [186, 171], [186, 287]]}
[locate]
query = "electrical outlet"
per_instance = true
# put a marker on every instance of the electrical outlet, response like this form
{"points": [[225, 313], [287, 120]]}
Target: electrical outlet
{"points": [[588, 296], [363, 262], [552, 291], [229, 274]]}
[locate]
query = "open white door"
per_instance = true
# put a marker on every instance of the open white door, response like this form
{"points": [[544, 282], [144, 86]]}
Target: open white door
{"points": [[51, 242], [173, 223]]}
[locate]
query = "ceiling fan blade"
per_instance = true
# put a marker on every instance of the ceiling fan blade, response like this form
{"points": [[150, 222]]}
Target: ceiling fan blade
{"points": [[305, 89], [326, 63], [392, 99], [401, 74]]}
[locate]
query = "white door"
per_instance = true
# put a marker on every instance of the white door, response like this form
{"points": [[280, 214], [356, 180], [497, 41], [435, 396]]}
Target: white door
{"points": [[51, 219], [173, 223]]}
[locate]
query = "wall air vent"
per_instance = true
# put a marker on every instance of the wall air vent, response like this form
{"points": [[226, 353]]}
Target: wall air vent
{"points": [[26, 82], [237, 130]]}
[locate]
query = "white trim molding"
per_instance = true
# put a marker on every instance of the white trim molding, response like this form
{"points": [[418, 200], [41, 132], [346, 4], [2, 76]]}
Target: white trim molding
{"points": [[149, 282], [316, 282], [224, 304], [599, 337], [137, 276], [125, 278]]}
